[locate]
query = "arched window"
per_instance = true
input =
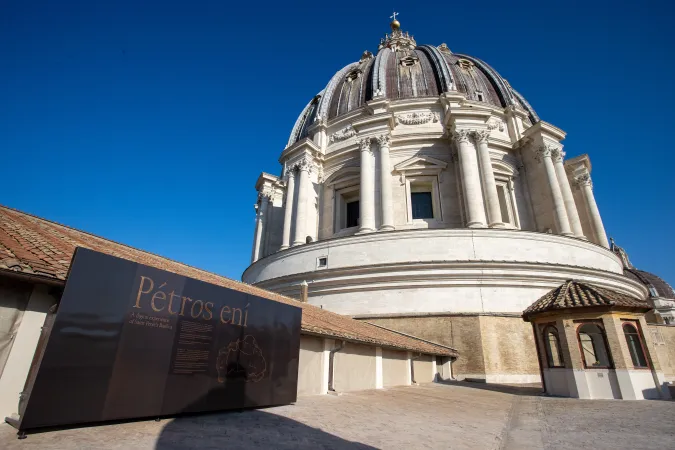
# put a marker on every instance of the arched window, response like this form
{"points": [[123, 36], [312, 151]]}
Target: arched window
{"points": [[552, 345], [637, 353], [593, 346]]}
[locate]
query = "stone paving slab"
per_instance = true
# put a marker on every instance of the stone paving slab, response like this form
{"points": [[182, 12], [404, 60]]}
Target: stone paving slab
{"points": [[457, 416]]}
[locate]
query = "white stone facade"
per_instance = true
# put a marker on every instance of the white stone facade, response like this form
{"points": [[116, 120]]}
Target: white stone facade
{"points": [[505, 252]]}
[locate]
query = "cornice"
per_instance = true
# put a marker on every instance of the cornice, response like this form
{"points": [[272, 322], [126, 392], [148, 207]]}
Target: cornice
{"points": [[304, 145], [546, 130]]}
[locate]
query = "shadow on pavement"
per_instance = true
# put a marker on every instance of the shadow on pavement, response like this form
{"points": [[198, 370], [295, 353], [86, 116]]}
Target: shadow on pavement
{"points": [[251, 429], [527, 389]]}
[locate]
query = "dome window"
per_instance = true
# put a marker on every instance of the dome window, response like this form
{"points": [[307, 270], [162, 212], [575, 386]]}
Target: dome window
{"points": [[408, 61], [353, 75], [479, 96], [465, 64]]}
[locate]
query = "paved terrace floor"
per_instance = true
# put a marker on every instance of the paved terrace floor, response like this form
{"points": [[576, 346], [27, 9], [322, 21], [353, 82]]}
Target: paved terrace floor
{"points": [[457, 416]]}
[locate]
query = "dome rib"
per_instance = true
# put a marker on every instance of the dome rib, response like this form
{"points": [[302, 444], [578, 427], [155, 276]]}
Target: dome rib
{"points": [[502, 90], [301, 120], [533, 115], [441, 67], [379, 71], [324, 105]]}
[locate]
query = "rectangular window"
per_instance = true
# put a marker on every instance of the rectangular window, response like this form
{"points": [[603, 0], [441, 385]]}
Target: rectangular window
{"points": [[503, 205], [353, 214], [422, 205]]}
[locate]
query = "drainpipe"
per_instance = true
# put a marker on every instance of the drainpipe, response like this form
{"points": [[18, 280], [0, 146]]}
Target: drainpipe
{"points": [[331, 366], [412, 368]]}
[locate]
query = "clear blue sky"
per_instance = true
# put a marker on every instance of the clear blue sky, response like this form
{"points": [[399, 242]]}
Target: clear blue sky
{"points": [[149, 122]]}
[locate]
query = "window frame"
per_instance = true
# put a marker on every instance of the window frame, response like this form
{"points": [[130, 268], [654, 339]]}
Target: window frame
{"points": [[638, 331], [505, 178], [341, 198], [432, 181], [603, 334], [547, 347]]}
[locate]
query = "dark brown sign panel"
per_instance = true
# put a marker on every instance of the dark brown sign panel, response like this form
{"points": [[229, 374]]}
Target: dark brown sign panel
{"points": [[132, 341]]}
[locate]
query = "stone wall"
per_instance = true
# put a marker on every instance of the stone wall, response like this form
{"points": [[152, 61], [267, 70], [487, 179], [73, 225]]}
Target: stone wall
{"points": [[509, 350], [498, 349], [663, 337]]}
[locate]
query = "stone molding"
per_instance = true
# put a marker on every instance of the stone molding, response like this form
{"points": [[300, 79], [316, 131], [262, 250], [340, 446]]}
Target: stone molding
{"points": [[494, 124], [454, 233], [433, 275], [416, 118], [343, 134]]}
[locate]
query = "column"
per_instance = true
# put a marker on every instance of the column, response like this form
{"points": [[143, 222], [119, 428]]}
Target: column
{"points": [[563, 223], [385, 183], [495, 219], [572, 214], [300, 221], [586, 186], [367, 193], [473, 197], [288, 208], [259, 224]]}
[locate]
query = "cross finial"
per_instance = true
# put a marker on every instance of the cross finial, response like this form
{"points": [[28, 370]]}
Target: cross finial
{"points": [[393, 16]]}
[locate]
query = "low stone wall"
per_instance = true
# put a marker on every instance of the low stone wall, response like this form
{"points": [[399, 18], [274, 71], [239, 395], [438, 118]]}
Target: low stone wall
{"points": [[494, 348]]}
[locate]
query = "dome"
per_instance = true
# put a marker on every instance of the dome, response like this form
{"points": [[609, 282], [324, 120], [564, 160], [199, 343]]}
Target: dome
{"points": [[658, 288], [401, 69]]}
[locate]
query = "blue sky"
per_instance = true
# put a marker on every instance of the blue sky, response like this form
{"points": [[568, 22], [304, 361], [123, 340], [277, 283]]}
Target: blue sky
{"points": [[149, 122]]}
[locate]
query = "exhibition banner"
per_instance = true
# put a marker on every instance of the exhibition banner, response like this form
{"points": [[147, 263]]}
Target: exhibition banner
{"points": [[133, 341]]}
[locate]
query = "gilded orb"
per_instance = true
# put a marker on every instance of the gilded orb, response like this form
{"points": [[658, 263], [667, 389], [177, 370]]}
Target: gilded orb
{"points": [[395, 24]]}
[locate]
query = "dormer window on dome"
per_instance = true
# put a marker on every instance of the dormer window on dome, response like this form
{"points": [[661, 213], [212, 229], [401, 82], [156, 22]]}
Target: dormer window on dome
{"points": [[353, 75], [409, 61], [465, 64]]}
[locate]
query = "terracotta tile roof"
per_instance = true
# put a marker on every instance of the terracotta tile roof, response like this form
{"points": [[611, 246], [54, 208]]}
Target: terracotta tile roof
{"points": [[575, 294], [32, 245]]}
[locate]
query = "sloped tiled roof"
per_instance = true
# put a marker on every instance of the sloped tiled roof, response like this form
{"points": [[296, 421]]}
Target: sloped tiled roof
{"points": [[35, 246], [574, 294]]}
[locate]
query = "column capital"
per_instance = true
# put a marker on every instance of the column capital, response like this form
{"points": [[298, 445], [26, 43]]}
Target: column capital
{"points": [[383, 140], [481, 136], [364, 144], [583, 180], [265, 195], [305, 164], [290, 172], [557, 154], [462, 135], [546, 151]]}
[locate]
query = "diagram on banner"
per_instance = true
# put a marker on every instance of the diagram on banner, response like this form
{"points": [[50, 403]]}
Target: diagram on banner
{"points": [[241, 359]]}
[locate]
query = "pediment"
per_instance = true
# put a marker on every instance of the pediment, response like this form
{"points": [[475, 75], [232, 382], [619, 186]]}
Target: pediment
{"points": [[344, 175], [416, 163]]}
